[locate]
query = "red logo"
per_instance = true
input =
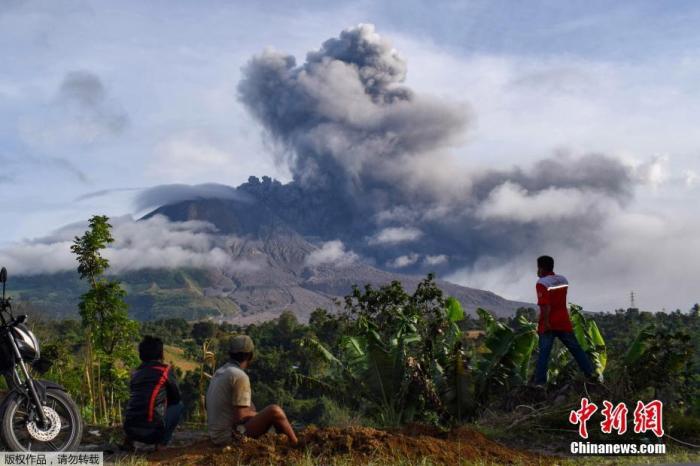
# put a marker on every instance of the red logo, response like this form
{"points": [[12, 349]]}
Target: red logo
{"points": [[582, 416], [614, 418], [647, 417]]}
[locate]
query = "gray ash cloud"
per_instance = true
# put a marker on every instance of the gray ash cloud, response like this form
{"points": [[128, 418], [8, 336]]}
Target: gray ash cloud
{"points": [[370, 168], [344, 117], [85, 96]]}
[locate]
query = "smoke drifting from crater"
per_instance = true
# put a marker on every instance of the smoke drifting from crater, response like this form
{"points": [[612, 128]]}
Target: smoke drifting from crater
{"points": [[351, 129], [344, 117]]}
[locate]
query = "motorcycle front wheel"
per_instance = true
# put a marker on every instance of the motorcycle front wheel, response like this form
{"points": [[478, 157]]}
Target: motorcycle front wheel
{"points": [[21, 430]]}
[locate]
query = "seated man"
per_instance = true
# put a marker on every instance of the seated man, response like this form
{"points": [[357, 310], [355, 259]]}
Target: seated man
{"points": [[228, 401], [154, 407]]}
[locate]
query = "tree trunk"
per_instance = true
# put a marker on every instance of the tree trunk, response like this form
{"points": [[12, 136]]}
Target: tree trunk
{"points": [[89, 377]]}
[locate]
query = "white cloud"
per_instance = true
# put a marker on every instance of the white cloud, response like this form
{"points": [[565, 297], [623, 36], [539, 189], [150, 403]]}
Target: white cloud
{"points": [[172, 193], [187, 157], [512, 202], [527, 105], [403, 261], [151, 243], [29, 258], [655, 255], [395, 235], [331, 252], [439, 259], [691, 178], [654, 172]]}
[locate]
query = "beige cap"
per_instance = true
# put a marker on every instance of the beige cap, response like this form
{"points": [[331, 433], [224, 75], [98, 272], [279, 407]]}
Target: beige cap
{"points": [[241, 344]]}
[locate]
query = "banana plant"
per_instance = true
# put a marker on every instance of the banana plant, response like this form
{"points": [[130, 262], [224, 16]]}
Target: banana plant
{"points": [[642, 342], [374, 369], [456, 384], [402, 355], [506, 354], [562, 365], [451, 372], [590, 338], [667, 358]]}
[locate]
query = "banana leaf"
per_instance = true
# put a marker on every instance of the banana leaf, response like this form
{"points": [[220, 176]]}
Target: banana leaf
{"points": [[640, 345], [321, 350], [523, 345], [457, 394], [507, 355], [590, 338], [455, 313]]}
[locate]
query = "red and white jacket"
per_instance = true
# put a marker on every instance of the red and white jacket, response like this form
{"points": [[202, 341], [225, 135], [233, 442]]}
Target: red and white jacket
{"points": [[153, 387], [552, 289]]}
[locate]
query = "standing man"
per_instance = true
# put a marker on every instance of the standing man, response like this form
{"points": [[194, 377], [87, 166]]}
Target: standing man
{"points": [[554, 320], [229, 405], [154, 407]]}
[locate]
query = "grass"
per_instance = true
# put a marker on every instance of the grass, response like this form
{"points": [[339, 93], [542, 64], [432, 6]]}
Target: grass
{"points": [[559, 443], [679, 456], [129, 461], [176, 356]]}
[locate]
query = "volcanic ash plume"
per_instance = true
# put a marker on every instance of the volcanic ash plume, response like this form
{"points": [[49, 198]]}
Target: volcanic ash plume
{"points": [[344, 116], [356, 136]]}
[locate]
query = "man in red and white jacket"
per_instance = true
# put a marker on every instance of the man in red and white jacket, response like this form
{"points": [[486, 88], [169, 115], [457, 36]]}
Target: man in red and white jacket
{"points": [[554, 320]]}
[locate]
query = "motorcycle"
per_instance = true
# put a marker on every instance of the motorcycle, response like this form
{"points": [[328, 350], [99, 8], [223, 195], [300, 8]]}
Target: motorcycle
{"points": [[36, 415]]}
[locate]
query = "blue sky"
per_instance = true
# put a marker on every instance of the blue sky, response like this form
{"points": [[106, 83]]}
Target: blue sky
{"points": [[127, 95]]}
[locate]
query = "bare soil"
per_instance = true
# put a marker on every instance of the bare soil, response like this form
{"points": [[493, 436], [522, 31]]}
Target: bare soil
{"points": [[358, 445]]}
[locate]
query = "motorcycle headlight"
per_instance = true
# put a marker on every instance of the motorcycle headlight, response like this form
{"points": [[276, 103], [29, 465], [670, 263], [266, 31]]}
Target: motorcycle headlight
{"points": [[35, 344], [27, 342]]}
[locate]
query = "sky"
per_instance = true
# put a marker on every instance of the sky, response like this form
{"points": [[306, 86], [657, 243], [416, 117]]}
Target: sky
{"points": [[102, 100]]}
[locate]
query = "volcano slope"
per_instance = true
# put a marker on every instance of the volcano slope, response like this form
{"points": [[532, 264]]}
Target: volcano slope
{"points": [[275, 272]]}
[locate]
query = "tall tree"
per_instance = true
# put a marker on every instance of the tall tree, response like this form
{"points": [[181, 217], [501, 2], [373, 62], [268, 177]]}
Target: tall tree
{"points": [[110, 332]]}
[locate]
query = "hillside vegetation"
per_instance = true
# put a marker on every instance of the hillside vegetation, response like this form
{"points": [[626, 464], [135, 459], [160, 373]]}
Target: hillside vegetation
{"points": [[321, 372], [151, 294]]}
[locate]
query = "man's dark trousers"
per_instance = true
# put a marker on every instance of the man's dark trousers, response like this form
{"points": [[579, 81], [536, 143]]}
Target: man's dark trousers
{"points": [[569, 340], [172, 418]]}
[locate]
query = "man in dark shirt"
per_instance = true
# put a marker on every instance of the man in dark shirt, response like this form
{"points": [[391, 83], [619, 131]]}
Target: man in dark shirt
{"points": [[154, 407], [554, 320]]}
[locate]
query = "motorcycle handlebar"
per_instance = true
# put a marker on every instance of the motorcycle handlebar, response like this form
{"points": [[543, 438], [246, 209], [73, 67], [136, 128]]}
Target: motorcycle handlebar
{"points": [[5, 307], [15, 321], [20, 319]]}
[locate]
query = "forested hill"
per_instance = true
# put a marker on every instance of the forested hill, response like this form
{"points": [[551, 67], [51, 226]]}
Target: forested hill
{"points": [[243, 297]]}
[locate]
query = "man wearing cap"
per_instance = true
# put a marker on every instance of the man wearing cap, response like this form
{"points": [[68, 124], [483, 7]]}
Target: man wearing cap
{"points": [[228, 402]]}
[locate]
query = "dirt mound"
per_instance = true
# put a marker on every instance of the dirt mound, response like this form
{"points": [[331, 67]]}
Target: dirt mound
{"points": [[359, 444]]}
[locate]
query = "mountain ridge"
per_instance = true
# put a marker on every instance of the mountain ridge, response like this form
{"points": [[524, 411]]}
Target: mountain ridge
{"points": [[280, 275], [274, 238]]}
